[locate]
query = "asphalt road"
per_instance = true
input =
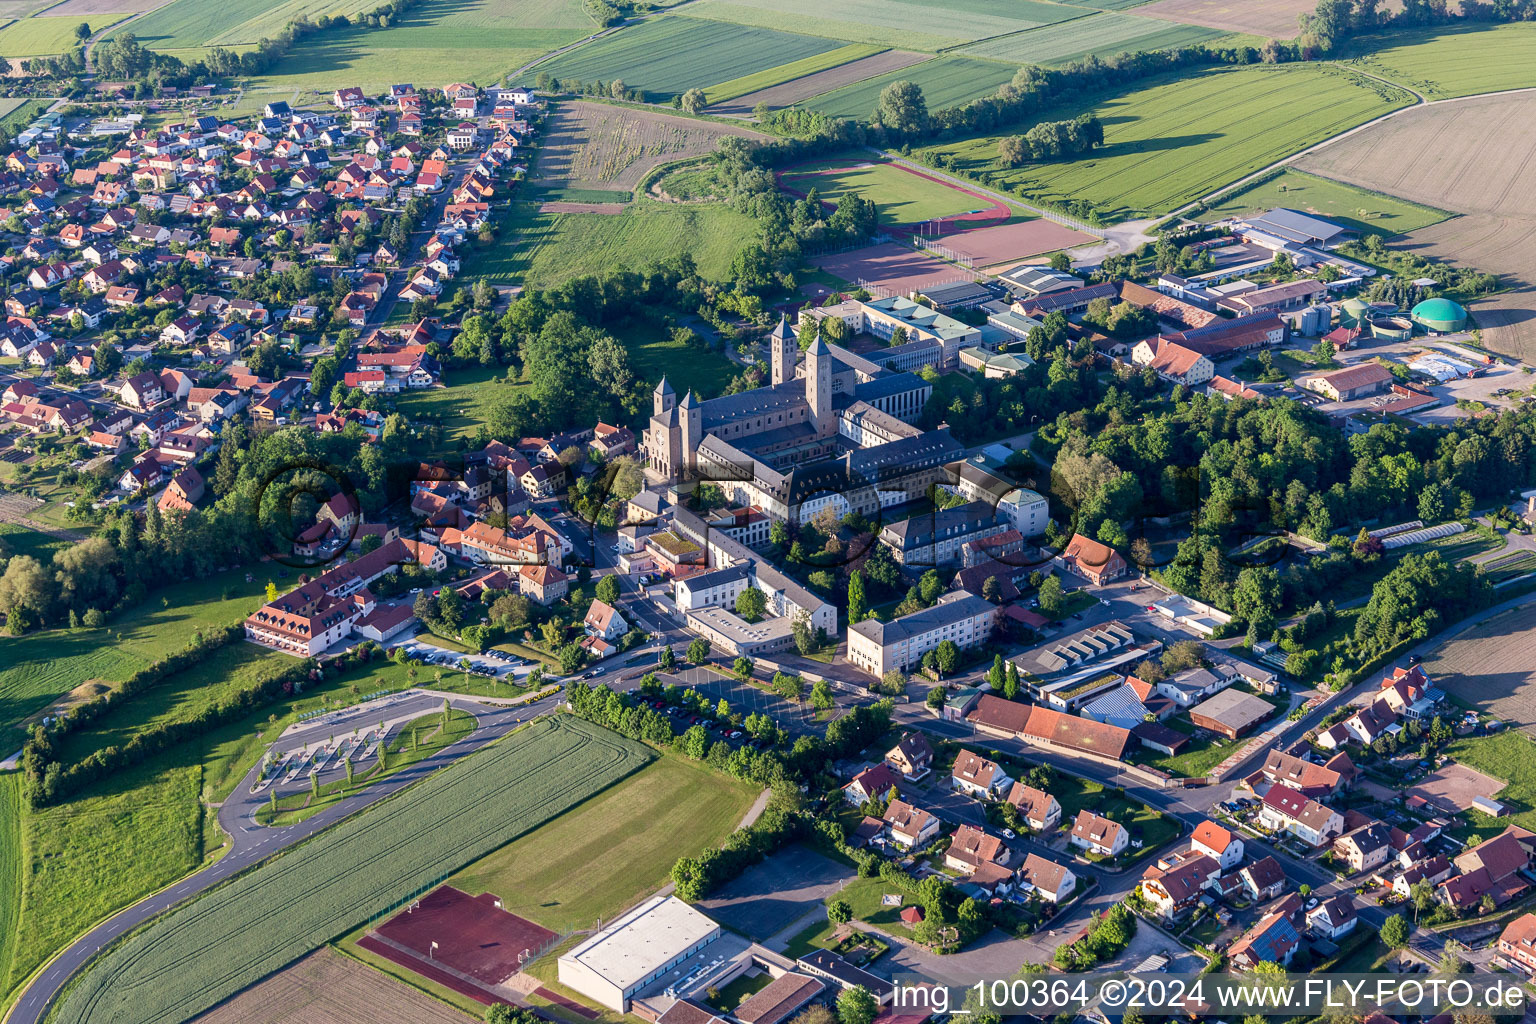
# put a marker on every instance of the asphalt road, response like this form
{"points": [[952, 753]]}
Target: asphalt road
{"points": [[250, 844]]}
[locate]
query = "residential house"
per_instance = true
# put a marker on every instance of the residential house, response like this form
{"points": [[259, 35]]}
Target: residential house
{"points": [[978, 776], [184, 491], [1285, 810], [1274, 939], [873, 783], [143, 391], [1220, 844], [910, 826], [912, 756], [543, 584], [605, 621], [1037, 809], [1097, 563], [1366, 848], [1176, 889], [1054, 882], [1263, 879], [1098, 835], [970, 847], [1334, 917], [1517, 942]]}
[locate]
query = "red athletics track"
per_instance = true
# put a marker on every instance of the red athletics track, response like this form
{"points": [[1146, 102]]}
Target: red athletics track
{"points": [[473, 936]]}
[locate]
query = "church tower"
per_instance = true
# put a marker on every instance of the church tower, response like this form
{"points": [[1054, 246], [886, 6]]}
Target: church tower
{"points": [[783, 348], [663, 399], [692, 423], [818, 388]]}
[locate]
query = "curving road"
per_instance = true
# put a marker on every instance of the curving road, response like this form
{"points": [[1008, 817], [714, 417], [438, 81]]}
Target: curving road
{"points": [[250, 844]]}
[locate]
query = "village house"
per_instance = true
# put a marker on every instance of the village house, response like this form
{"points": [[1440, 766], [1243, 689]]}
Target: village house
{"points": [[912, 756], [1098, 835], [1333, 918], [1220, 844], [1038, 809], [873, 783], [1274, 939], [1285, 810], [977, 776], [970, 847], [1054, 882], [910, 826], [1176, 889]]}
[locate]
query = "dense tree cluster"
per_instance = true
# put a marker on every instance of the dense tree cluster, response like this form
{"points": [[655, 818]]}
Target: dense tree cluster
{"points": [[1051, 140]]}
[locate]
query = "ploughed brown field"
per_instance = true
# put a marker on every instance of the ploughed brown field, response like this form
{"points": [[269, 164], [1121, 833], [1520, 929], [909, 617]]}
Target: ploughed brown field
{"points": [[596, 146], [327, 988], [1476, 157], [789, 93], [1492, 666]]}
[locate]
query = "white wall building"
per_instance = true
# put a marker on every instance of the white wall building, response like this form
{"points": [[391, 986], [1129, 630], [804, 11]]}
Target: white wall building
{"points": [[635, 950]]}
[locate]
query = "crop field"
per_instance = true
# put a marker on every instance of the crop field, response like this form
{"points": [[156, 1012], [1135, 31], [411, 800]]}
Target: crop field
{"points": [[15, 118], [1169, 144], [1361, 209], [87, 9], [901, 196], [189, 23], [1492, 667], [37, 668], [10, 871], [1100, 35], [946, 82], [1272, 19], [789, 72], [792, 91], [327, 987], [686, 808], [670, 55], [199, 954], [36, 37], [1458, 61], [598, 146], [1472, 157], [543, 249], [891, 22]]}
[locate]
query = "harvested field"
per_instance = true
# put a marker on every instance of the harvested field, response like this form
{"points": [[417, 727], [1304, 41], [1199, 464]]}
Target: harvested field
{"points": [[564, 207], [1476, 157], [593, 145], [1100, 35], [1452, 788], [328, 988], [469, 934], [898, 268], [1272, 19], [86, 8], [789, 93], [1492, 666], [1009, 243]]}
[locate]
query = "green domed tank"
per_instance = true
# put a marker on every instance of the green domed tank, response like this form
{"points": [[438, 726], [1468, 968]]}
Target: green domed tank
{"points": [[1440, 316], [1354, 312]]}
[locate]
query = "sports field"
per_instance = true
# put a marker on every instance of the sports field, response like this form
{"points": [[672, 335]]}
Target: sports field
{"points": [[686, 808], [1009, 243], [37, 37], [814, 64], [1457, 60], [270, 915], [327, 987], [1361, 209], [901, 196], [945, 81], [670, 55], [1171, 143], [1100, 35], [470, 934], [902, 23], [897, 267], [37, 668]]}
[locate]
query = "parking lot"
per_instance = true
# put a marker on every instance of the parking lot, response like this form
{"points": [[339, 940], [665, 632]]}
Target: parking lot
{"points": [[745, 699], [491, 664]]}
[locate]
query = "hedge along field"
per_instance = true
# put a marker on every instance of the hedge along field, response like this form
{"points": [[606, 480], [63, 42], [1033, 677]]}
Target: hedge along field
{"points": [[903, 23], [1454, 60], [199, 954], [37, 668], [671, 55], [791, 71], [945, 81], [1169, 144], [1100, 35]]}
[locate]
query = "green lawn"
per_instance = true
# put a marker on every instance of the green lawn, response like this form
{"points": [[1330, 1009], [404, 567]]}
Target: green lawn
{"points": [[19, 540], [1510, 757], [901, 196], [739, 991], [625, 840], [39, 667], [1453, 60], [1100, 35], [667, 56], [791, 71], [1171, 143], [864, 896], [419, 739], [541, 250], [1361, 209], [910, 26], [1149, 826], [945, 81]]}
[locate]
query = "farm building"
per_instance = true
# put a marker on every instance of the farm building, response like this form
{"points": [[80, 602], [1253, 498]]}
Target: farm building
{"points": [[1280, 227], [636, 949], [1350, 383], [1440, 316], [1232, 713]]}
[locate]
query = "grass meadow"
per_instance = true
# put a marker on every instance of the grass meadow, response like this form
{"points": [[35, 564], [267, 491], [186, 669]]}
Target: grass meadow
{"points": [[670, 55], [1171, 143], [1454, 60], [911, 26], [686, 809], [37, 668], [1360, 209], [38, 37], [902, 197], [10, 871], [1099, 35], [252, 926], [946, 82], [791, 71]]}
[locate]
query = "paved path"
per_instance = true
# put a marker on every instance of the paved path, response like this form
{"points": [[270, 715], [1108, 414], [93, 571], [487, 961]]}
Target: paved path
{"points": [[250, 844]]}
